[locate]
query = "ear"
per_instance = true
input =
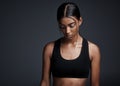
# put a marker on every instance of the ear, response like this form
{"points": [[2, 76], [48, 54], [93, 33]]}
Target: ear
{"points": [[80, 21]]}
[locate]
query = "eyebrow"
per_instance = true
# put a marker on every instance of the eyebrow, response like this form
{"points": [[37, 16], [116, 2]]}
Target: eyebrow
{"points": [[68, 24], [71, 23]]}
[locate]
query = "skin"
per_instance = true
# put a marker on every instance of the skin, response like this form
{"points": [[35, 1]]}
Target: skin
{"points": [[69, 26]]}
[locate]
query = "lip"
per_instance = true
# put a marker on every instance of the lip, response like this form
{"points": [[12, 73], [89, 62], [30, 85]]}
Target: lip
{"points": [[68, 36]]}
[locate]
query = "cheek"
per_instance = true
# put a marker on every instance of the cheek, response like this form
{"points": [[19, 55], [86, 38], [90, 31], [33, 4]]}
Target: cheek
{"points": [[75, 30], [62, 30]]}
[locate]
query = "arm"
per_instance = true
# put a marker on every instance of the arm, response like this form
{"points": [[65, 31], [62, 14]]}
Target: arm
{"points": [[47, 52], [95, 65]]}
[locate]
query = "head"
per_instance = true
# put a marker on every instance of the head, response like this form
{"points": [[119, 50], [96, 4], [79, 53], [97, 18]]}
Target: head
{"points": [[69, 19]]}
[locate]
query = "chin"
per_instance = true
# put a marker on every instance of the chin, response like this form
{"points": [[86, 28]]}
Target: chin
{"points": [[68, 37]]}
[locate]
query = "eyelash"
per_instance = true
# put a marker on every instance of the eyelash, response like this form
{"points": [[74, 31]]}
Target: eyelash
{"points": [[62, 27], [71, 26]]}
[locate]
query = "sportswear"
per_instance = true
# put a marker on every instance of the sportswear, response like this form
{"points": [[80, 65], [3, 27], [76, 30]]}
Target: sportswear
{"points": [[75, 68]]}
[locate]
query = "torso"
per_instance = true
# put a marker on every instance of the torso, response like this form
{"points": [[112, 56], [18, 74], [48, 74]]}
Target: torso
{"points": [[67, 81]]}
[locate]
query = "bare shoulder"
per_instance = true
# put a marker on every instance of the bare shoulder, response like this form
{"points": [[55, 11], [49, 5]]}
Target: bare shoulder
{"points": [[48, 48], [93, 46], [49, 45], [94, 50]]}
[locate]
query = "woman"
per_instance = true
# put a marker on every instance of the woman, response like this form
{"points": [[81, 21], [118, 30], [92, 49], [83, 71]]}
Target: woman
{"points": [[70, 58]]}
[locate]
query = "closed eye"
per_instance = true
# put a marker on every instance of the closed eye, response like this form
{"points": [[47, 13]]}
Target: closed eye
{"points": [[62, 26], [71, 25]]}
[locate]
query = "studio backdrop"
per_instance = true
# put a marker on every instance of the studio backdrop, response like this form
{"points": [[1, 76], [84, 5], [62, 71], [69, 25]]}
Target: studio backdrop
{"points": [[27, 25]]}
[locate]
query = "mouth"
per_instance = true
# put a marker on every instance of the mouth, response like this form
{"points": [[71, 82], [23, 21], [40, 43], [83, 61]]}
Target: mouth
{"points": [[68, 36]]}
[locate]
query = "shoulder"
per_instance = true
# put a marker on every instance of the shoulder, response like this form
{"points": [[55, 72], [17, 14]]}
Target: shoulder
{"points": [[93, 46], [49, 45], [94, 50], [48, 48]]}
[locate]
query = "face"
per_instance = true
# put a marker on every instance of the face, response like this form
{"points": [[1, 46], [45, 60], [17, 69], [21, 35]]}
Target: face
{"points": [[70, 26]]}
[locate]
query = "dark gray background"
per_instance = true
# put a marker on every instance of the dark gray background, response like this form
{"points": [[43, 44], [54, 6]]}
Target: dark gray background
{"points": [[27, 25]]}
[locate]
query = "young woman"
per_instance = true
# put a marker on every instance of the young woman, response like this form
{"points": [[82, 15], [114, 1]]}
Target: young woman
{"points": [[70, 58]]}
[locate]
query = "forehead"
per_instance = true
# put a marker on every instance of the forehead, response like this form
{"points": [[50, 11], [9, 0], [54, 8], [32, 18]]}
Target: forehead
{"points": [[67, 20]]}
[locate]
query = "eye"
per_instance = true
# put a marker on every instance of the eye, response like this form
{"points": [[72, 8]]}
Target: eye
{"points": [[72, 25], [62, 26]]}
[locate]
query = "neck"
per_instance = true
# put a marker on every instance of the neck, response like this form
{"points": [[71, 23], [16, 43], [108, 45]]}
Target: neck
{"points": [[73, 40]]}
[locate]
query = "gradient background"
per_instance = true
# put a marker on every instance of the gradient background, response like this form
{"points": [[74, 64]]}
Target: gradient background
{"points": [[27, 25]]}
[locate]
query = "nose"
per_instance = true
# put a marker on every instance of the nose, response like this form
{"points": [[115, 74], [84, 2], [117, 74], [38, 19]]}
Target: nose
{"points": [[68, 30]]}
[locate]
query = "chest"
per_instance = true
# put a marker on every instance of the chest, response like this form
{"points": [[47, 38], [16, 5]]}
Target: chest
{"points": [[70, 63], [70, 53]]}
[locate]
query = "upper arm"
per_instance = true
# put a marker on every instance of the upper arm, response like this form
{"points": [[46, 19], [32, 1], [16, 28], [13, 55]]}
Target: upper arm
{"points": [[47, 52], [95, 64]]}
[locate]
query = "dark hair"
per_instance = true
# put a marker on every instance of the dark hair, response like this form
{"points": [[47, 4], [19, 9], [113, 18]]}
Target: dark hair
{"points": [[68, 9]]}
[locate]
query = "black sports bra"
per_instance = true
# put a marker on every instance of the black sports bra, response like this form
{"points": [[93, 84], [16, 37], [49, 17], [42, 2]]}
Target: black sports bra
{"points": [[76, 68]]}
